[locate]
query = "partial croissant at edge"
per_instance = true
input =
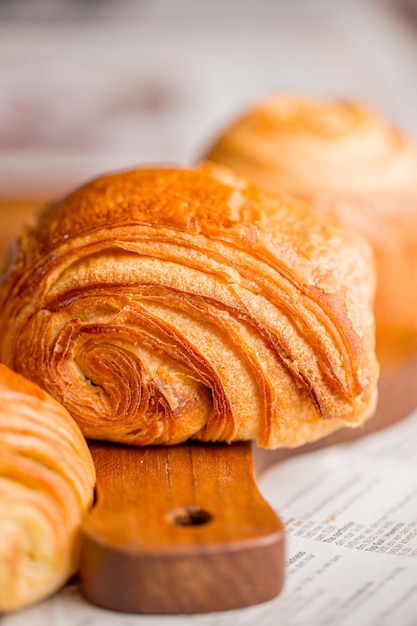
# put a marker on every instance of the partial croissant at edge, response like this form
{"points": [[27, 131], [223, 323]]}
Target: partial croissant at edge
{"points": [[161, 305], [349, 163], [47, 482]]}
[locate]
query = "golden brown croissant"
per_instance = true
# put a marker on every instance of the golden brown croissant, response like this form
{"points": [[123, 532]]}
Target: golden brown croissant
{"points": [[349, 163], [46, 485], [168, 304]]}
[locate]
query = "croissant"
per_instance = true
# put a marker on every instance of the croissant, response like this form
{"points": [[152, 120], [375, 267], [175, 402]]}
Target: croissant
{"points": [[161, 305], [349, 163], [46, 486]]}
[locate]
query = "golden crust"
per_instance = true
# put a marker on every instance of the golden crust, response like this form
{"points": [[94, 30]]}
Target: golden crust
{"points": [[46, 486], [349, 163], [167, 304]]}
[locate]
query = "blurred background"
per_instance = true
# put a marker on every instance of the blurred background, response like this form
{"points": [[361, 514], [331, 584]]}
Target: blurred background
{"points": [[88, 86]]}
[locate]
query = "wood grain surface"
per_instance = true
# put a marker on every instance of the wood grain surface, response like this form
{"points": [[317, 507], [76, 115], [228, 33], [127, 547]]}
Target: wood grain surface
{"points": [[180, 529]]}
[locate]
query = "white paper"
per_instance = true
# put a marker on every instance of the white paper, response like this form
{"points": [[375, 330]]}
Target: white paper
{"points": [[351, 525]]}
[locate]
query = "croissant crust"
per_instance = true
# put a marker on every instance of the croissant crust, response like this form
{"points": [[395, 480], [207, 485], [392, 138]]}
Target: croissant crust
{"points": [[46, 486], [160, 305]]}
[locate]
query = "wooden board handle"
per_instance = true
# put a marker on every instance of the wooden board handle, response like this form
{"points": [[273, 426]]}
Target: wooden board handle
{"points": [[179, 529]]}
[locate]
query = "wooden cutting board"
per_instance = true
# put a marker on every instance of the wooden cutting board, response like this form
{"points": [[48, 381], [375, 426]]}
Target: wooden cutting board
{"points": [[180, 529]]}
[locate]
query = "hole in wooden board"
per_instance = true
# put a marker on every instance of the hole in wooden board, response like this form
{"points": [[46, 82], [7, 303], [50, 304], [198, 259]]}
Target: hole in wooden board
{"points": [[189, 516]]}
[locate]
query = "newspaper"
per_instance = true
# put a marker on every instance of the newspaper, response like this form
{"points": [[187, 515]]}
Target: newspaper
{"points": [[350, 514]]}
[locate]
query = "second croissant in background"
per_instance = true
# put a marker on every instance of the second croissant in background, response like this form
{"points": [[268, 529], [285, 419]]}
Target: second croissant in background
{"points": [[350, 164]]}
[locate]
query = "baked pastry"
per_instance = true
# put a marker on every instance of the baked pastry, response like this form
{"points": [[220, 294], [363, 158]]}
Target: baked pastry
{"points": [[160, 305], [349, 163], [46, 486]]}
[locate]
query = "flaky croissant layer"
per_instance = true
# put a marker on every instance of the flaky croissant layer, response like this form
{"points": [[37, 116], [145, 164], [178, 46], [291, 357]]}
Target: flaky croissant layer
{"points": [[160, 305], [46, 486], [350, 163]]}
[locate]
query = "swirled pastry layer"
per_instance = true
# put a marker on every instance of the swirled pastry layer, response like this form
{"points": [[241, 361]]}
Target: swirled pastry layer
{"points": [[46, 486], [350, 163], [160, 305]]}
